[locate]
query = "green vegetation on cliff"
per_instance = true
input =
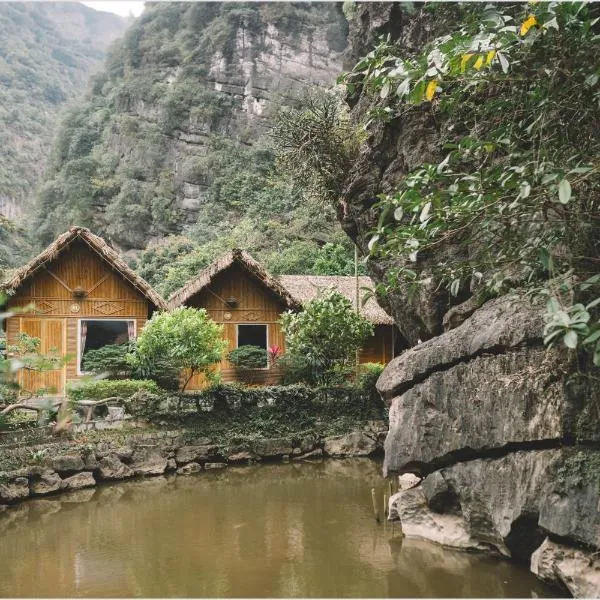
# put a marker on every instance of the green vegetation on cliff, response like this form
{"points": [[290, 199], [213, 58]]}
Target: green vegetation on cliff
{"points": [[173, 139], [46, 54], [500, 191]]}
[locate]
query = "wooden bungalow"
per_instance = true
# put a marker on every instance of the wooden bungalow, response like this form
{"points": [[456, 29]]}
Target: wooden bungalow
{"points": [[381, 347], [238, 293], [77, 295]]}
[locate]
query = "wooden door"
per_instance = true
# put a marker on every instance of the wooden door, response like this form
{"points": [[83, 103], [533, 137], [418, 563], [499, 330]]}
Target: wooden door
{"points": [[52, 335]]}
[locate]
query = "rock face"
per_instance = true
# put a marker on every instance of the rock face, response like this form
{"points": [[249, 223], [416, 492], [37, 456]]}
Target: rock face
{"points": [[63, 43], [506, 439], [489, 418], [488, 384], [577, 570], [356, 443], [111, 467], [169, 106], [78, 481], [391, 150]]}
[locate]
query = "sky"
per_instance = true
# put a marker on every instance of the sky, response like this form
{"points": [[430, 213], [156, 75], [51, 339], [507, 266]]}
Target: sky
{"points": [[120, 7]]}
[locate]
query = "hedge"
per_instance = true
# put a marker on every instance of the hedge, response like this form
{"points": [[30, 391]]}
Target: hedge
{"points": [[107, 388]]}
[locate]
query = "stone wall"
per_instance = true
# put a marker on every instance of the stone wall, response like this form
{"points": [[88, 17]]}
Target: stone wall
{"points": [[71, 465]]}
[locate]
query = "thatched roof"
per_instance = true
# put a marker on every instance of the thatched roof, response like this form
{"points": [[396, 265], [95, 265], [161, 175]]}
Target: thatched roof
{"points": [[98, 245], [306, 287], [243, 259]]}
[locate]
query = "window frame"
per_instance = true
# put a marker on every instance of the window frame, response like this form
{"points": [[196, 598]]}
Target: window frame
{"points": [[79, 349], [237, 336]]}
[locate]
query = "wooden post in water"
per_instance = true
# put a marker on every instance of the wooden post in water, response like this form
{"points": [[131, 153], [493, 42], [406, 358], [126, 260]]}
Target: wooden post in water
{"points": [[385, 506], [375, 510]]}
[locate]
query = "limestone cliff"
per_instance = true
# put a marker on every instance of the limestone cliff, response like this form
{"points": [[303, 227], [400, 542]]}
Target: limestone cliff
{"points": [[171, 135], [503, 432], [47, 52]]}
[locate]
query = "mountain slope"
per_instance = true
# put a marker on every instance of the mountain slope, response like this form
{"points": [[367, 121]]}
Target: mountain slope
{"points": [[171, 138], [47, 51]]}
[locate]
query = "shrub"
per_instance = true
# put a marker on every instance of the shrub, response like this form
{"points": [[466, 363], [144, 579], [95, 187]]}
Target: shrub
{"points": [[294, 369], [18, 419], [160, 370], [323, 339], [184, 339], [143, 403], [110, 359], [107, 388], [369, 374], [248, 357]]}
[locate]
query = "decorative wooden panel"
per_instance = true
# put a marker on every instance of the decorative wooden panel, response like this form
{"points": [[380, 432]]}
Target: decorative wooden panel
{"points": [[78, 267], [254, 299], [82, 309], [72, 348]]}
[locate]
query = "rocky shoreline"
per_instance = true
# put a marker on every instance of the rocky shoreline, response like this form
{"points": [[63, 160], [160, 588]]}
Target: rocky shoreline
{"points": [[503, 444], [52, 468]]}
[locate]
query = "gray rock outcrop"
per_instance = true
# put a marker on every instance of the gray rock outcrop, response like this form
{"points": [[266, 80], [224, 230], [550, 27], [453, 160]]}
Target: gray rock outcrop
{"points": [[79, 481], [16, 490], [357, 443], [273, 447], [490, 419], [68, 463], [111, 467], [148, 462], [46, 483], [575, 569], [202, 453]]}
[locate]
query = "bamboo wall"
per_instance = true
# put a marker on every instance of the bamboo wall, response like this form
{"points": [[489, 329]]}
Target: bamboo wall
{"points": [[49, 310], [256, 306]]}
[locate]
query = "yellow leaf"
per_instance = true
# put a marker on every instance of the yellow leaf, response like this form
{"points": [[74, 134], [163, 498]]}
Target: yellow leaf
{"points": [[490, 57], [430, 91], [478, 63], [464, 61], [528, 24]]}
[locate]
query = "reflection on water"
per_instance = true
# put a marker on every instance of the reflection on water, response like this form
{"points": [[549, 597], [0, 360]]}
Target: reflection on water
{"points": [[272, 530]]}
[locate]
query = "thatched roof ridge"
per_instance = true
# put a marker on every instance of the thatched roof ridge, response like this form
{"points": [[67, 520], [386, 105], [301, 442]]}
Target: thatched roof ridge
{"points": [[97, 244], [306, 287], [242, 258]]}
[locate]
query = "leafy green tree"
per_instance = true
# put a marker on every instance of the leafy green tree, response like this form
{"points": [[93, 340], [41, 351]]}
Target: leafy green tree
{"points": [[156, 260], [185, 338], [336, 259], [297, 258], [513, 199], [325, 337]]}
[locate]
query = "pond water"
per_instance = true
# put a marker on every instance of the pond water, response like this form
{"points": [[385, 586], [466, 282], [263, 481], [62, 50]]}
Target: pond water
{"points": [[270, 530]]}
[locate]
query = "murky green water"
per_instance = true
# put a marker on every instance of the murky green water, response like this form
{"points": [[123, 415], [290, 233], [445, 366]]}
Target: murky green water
{"points": [[272, 530]]}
